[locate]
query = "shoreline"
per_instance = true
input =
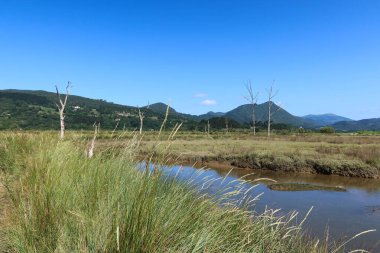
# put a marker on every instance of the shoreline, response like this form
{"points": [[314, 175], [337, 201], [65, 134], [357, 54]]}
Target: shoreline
{"points": [[345, 168]]}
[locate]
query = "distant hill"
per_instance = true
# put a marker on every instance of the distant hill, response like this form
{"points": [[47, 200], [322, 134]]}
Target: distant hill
{"points": [[21, 109], [360, 125], [210, 115], [243, 114], [161, 108], [326, 119]]}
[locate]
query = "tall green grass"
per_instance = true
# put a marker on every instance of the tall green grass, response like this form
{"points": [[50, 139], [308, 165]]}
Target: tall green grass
{"points": [[64, 202]]}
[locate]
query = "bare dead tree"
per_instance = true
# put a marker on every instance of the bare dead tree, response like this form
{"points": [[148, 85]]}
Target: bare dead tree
{"points": [[141, 116], [208, 127], [226, 122], [271, 95], [61, 108], [90, 152], [252, 99]]}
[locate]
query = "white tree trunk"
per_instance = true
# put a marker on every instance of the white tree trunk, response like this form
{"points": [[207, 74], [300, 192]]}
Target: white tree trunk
{"points": [[141, 116], [252, 99], [62, 123], [141, 124], [269, 114], [61, 109]]}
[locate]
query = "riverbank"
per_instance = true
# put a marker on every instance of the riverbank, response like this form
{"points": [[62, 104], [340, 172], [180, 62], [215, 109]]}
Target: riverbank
{"points": [[349, 156], [346, 168], [63, 201]]}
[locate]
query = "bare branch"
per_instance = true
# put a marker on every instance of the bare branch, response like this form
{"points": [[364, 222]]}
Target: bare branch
{"points": [[67, 92], [252, 99], [278, 109], [61, 108], [141, 116], [271, 95], [59, 96]]}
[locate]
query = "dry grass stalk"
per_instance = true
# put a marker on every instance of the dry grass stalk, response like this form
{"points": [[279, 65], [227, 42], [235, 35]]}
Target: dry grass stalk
{"points": [[90, 152]]}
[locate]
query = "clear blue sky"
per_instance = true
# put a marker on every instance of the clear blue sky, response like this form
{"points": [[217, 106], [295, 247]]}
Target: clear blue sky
{"points": [[323, 55]]}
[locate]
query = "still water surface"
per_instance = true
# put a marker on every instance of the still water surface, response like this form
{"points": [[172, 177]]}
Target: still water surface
{"points": [[342, 213]]}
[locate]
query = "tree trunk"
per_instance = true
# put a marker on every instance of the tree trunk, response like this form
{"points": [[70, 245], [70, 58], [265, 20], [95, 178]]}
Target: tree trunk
{"points": [[269, 114], [61, 109], [62, 123], [253, 119], [141, 124]]}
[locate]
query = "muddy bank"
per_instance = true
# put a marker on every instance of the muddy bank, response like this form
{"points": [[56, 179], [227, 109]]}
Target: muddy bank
{"points": [[346, 168], [303, 187]]}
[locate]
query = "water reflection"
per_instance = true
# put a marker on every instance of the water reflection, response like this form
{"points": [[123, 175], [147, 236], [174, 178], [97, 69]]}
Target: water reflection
{"points": [[342, 213]]}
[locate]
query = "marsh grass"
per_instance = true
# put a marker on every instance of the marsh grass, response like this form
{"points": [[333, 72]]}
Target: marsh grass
{"points": [[344, 155], [64, 202]]}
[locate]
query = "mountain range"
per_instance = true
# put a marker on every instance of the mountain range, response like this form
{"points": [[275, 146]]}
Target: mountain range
{"points": [[28, 109]]}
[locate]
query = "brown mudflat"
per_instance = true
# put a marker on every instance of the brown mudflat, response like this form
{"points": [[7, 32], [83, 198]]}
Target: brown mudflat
{"points": [[303, 187]]}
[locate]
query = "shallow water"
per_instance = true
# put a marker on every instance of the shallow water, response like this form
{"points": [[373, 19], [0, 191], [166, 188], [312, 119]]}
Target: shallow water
{"points": [[343, 213]]}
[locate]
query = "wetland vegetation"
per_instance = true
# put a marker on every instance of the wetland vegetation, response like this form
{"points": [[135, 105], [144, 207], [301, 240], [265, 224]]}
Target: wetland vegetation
{"points": [[343, 154], [59, 200]]}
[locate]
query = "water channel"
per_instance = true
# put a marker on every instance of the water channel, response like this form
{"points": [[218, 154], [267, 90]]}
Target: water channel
{"points": [[342, 206]]}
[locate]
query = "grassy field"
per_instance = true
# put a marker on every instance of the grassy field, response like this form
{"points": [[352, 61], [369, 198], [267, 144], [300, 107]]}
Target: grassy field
{"points": [[57, 200]]}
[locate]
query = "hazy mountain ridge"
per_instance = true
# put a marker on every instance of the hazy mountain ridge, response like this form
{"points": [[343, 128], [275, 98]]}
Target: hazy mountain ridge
{"points": [[210, 115], [359, 125], [326, 119], [161, 108]]}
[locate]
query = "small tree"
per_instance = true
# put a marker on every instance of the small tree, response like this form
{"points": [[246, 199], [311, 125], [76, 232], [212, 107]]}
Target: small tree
{"points": [[327, 130], [252, 99], [271, 95], [61, 108]]}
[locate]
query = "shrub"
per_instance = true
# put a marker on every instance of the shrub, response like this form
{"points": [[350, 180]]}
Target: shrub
{"points": [[327, 130]]}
